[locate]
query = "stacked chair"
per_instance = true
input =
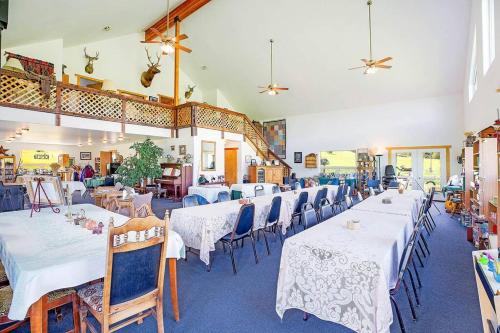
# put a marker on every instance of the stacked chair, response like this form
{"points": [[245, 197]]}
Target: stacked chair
{"points": [[415, 246]]}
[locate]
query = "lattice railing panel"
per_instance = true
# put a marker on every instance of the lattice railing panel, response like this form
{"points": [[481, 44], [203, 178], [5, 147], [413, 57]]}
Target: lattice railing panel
{"points": [[184, 116], [25, 92], [94, 105], [149, 114], [218, 119]]}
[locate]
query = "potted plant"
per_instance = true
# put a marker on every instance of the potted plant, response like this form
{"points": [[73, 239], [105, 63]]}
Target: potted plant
{"points": [[143, 165]]}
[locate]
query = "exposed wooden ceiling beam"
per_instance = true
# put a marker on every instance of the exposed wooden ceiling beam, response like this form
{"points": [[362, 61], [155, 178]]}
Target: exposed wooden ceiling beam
{"points": [[182, 11]]}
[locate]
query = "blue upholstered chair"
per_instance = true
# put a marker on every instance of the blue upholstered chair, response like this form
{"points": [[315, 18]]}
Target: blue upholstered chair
{"points": [[393, 184], [339, 199], [297, 213], [276, 189], [223, 196], [272, 221], [189, 201], [296, 186], [243, 228], [302, 183], [259, 190], [133, 282], [201, 200], [325, 211], [309, 216], [320, 196], [11, 198]]}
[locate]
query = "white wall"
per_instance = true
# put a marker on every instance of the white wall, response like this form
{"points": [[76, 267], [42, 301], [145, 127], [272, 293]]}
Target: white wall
{"points": [[431, 121], [123, 59], [481, 111]]}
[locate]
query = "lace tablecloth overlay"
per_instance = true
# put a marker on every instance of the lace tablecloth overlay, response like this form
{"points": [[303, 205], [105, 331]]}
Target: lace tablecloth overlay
{"points": [[248, 189], [74, 186], [344, 275], [46, 253]]}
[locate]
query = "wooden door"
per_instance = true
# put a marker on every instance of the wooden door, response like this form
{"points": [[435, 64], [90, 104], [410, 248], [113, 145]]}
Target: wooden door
{"points": [[231, 165], [105, 160]]}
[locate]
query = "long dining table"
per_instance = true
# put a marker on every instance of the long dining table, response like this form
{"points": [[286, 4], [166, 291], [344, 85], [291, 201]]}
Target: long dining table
{"points": [[202, 226], [45, 253], [343, 275]]}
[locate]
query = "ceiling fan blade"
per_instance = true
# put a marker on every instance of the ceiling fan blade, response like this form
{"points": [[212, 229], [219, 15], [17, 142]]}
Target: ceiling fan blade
{"points": [[279, 88], [383, 66], [365, 61], [262, 87], [356, 67], [261, 92], [183, 48], [181, 37], [150, 42], [383, 60]]}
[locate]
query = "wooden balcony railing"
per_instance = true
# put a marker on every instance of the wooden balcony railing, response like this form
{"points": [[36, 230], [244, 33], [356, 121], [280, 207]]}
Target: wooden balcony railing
{"points": [[17, 90]]}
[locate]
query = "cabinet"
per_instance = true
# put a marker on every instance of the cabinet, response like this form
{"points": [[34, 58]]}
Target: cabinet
{"points": [[266, 174], [311, 161]]}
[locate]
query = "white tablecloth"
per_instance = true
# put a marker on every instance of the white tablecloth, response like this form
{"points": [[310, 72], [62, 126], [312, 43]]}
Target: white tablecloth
{"points": [[45, 253], [344, 275], [248, 189], [407, 204], [209, 192], [202, 226], [74, 186]]}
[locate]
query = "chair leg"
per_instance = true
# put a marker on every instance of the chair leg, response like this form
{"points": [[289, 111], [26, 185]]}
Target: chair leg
{"points": [[83, 316], [419, 259], [76, 314], [267, 244], [421, 249], [407, 291], [223, 247], [398, 313], [254, 250], [279, 235], [417, 274], [159, 316], [232, 257], [417, 300], [293, 227]]}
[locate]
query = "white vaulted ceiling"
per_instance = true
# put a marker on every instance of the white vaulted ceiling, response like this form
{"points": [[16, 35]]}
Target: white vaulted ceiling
{"points": [[316, 41]]}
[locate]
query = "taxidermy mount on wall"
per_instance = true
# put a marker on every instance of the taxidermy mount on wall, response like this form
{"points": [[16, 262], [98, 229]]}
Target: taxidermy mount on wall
{"points": [[153, 69], [89, 68], [189, 92]]}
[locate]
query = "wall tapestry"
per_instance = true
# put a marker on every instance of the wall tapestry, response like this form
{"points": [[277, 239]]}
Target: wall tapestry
{"points": [[275, 135]]}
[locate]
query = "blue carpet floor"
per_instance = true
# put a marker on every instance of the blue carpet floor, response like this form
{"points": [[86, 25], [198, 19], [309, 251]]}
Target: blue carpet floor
{"points": [[219, 301]]}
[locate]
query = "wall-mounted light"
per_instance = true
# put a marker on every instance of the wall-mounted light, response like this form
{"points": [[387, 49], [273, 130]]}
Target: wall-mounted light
{"points": [[25, 129], [19, 134]]}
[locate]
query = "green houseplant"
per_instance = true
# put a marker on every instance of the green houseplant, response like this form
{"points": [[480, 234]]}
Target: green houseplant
{"points": [[142, 165]]}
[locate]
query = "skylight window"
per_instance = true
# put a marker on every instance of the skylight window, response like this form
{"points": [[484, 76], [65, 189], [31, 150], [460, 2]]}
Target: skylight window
{"points": [[473, 68], [488, 20]]}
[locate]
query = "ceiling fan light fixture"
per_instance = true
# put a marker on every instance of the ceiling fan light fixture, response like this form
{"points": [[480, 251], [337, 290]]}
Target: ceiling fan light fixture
{"points": [[167, 48], [272, 92], [371, 70]]}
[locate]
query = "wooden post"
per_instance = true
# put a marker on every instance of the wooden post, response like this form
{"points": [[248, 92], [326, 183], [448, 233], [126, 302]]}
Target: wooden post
{"points": [[58, 105], [177, 59]]}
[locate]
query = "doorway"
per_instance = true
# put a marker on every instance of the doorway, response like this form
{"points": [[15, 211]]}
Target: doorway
{"points": [[231, 165], [425, 167]]}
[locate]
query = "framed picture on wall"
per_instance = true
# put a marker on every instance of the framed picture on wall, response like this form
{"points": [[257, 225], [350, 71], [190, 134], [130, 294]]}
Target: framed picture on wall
{"points": [[275, 134], [172, 148], [85, 155], [297, 157], [182, 149], [253, 162]]}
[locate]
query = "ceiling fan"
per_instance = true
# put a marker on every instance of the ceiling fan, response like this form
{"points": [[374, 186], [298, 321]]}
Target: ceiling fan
{"points": [[168, 43], [371, 65], [273, 88]]}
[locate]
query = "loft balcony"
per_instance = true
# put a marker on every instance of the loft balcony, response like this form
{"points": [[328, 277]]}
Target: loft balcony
{"points": [[20, 91]]}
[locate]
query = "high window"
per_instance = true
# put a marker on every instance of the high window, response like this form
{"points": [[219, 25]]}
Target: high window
{"points": [[488, 21], [339, 162], [473, 68]]}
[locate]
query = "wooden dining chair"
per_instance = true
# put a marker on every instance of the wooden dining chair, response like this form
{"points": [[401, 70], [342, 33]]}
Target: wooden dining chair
{"points": [[55, 300], [133, 283]]}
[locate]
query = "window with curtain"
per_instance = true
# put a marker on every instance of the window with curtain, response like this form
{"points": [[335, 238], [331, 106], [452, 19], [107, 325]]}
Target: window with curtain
{"points": [[473, 68], [338, 162], [488, 32]]}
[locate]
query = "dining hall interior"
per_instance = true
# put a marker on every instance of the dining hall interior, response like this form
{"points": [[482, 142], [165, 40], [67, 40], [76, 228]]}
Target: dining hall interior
{"points": [[249, 166]]}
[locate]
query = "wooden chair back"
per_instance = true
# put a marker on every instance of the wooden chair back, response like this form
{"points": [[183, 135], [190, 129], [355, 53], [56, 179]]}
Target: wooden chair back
{"points": [[132, 292]]}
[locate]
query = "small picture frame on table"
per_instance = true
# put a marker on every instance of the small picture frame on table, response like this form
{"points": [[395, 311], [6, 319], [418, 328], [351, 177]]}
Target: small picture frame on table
{"points": [[253, 162], [85, 156]]}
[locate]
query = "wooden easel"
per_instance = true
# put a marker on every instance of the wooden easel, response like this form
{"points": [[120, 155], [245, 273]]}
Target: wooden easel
{"points": [[37, 205]]}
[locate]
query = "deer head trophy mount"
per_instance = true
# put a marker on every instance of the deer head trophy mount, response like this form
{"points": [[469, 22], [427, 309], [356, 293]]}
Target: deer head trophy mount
{"points": [[89, 68], [153, 69], [189, 92]]}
